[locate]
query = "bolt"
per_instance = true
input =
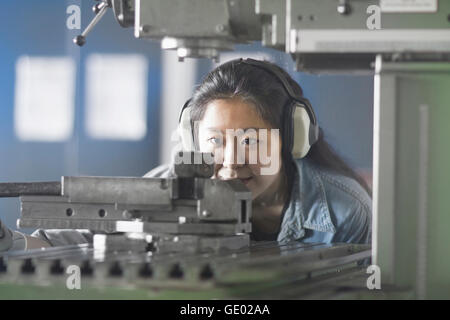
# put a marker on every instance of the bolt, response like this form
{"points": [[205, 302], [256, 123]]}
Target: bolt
{"points": [[344, 8], [69, 212], [96, 8], [220, 28], [127, 214], [206, 213], [145, 28], [164, 185]]}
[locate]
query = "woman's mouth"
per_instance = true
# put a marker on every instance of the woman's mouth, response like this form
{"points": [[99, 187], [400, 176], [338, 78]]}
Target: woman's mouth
{"points": [[246, 180]]}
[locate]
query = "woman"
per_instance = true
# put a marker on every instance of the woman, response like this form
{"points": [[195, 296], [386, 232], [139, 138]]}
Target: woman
{"points": [[314, 199], [317, 198]]}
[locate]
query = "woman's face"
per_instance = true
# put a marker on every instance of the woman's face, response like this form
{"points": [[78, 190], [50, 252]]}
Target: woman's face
{"points": [[233, 131]]}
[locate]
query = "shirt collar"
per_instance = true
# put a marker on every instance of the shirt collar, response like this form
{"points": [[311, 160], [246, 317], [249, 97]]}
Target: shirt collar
{"points": [[308, 207]]}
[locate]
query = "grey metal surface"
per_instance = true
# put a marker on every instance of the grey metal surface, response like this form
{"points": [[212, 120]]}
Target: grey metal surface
{"points": [[185, 22], [194, 164], [325, 29], [212, 30], [128, 191], [228, 199], [204, 28], [142, 242], [368, 41], [273, 17], [262, 263], [411, 176], [197, 28], [99, 203], [323, 40], [305, 15], [192, 228], [188, 204], [124, 10], [14, 189]]}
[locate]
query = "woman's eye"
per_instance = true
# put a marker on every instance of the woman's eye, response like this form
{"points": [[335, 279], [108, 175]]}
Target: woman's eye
{"points": [[215, 141], [249, 141]]}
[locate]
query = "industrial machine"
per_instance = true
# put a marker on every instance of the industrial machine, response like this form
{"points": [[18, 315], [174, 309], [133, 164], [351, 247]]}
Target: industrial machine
{"points": [[186, 232], [405, 44]]}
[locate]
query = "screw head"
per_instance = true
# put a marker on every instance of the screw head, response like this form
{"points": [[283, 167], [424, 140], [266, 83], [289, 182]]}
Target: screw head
{"points": [[96, 8], [145, 28], [220, 28], [206, 213], [127, 214], [344, 8]]}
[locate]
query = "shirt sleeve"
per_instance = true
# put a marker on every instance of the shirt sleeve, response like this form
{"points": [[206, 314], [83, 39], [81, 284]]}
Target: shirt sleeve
{"points": [[63, 237], [356, 228], [162, 171]]}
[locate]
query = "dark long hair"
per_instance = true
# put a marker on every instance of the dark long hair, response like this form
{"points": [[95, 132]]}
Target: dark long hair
{"points": [[263, 90]]}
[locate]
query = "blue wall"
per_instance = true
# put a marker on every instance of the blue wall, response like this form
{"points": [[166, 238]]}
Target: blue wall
{"points": [[39, 28]]}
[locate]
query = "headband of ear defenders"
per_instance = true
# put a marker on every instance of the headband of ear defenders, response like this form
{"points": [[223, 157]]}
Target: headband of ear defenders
{"points": [[300, 124]]}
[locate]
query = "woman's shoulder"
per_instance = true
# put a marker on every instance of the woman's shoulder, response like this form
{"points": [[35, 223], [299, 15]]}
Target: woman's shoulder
{"points": [[337, 187], [334, 203]]}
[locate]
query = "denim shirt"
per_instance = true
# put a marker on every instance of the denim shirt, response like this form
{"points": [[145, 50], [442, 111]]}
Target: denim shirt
{"points": [[326, 207]]}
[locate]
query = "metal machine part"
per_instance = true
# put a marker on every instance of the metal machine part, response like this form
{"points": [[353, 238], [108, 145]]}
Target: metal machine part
{"points": [[265, 265], [197, 28], [411, 176], [200, 165], [124, 11], [100, 203], [145, 242], [99, 10], [330, 36], [203, 213], [188, 212], [12, 189]]}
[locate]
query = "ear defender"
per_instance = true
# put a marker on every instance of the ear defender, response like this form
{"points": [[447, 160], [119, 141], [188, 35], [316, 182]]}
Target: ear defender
{"points": [[300, 125], [185, 129], [305, 133]]}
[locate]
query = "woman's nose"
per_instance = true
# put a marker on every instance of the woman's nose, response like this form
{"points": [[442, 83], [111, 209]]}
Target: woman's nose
{"points": [[232, 158]]}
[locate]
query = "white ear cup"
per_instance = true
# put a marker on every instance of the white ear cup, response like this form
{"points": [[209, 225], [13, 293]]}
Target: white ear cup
{"points": [[301, 129], [185, 130]]}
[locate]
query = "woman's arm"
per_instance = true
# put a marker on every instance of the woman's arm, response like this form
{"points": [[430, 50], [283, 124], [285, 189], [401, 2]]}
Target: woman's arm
{"points": [[13, 240]]}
